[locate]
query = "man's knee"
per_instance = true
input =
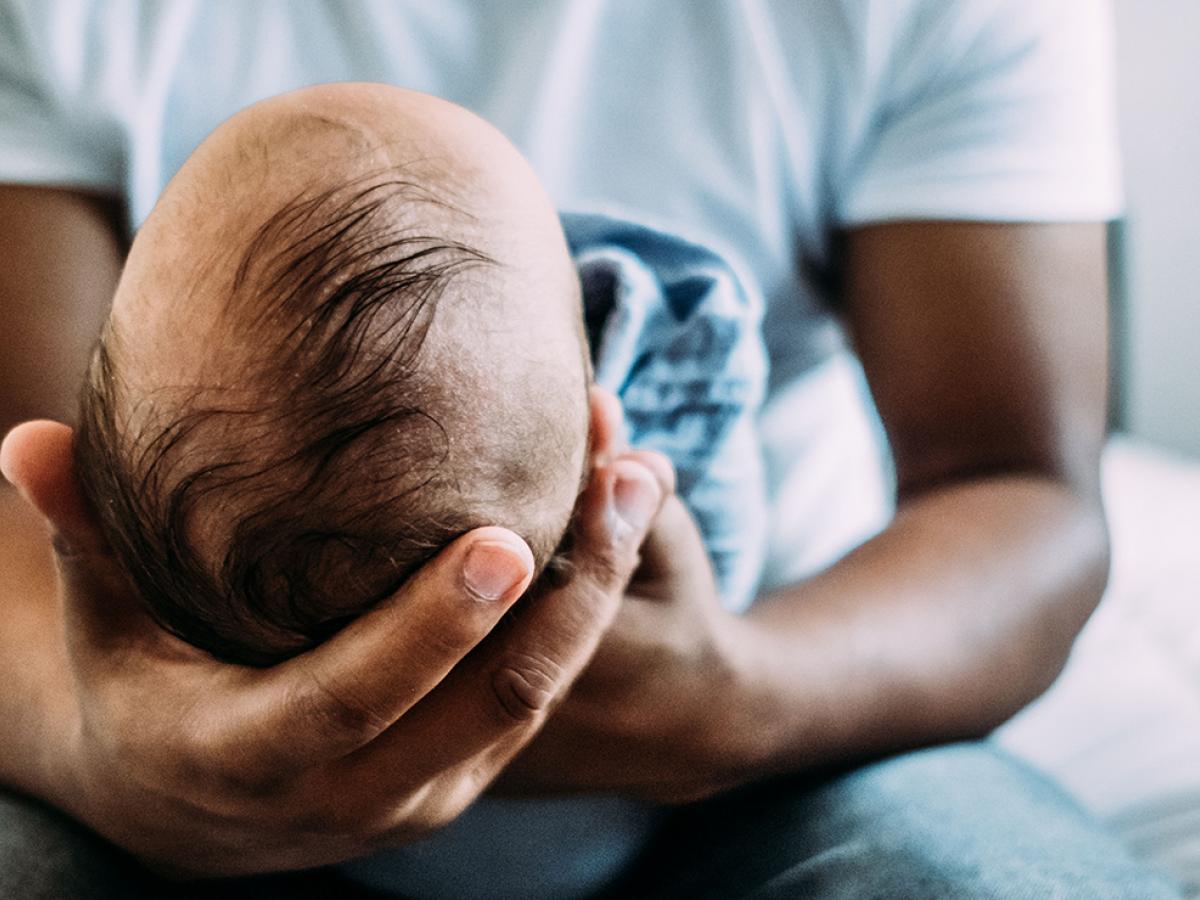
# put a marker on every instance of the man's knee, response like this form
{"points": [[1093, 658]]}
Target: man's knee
{"points": [[868, 872], [961, 821]]}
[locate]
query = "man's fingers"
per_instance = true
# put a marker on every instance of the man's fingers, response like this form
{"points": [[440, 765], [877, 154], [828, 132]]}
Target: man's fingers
{"points": [[610, 538], [342, 694], [494, 703], [658, 465], [37, 458]]}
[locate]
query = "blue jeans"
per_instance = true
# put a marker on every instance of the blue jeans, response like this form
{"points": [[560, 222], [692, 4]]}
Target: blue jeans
{"points": [[962, 821]]}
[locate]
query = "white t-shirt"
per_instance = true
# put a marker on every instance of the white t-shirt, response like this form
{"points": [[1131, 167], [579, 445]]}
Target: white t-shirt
{"points": [[758, 128]]}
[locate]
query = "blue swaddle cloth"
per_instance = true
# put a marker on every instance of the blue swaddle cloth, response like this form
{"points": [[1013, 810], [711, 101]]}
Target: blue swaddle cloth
{"points": [[675, 336]]}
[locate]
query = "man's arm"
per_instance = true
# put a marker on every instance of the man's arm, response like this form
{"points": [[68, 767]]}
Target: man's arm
{"points": [[62, 257], [985, 348]]}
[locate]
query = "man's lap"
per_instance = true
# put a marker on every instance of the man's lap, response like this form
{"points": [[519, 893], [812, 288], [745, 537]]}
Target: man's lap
{"points": [[962, 821], [45, 856]]}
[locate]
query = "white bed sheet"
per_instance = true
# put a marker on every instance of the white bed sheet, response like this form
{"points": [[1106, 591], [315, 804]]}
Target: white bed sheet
{"points": [[1121, 727]]}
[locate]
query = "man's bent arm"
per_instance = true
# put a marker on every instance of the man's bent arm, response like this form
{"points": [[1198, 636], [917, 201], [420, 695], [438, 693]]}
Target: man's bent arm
{"points": [[985, 347]]}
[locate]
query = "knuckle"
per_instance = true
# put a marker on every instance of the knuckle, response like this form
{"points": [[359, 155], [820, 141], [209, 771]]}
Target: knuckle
{"points": [[612, 567], [450, 639], [456, 803], [234, 777], [338, 710], [606, 567], [525, 687]]}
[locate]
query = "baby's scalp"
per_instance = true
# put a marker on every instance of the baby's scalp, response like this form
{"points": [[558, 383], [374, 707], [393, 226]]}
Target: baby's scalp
{"points": [[337, 344]]}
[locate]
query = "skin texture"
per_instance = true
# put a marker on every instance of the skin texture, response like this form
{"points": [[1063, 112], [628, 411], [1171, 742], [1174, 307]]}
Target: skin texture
{"points": [[201, 323], [984, 346]]}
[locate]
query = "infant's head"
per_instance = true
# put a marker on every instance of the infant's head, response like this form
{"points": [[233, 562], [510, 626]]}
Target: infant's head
{"points": [[349, 332]]}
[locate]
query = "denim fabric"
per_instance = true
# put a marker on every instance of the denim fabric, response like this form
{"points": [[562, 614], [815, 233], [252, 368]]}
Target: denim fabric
{"points": [[959, 822], [677, 338], [963, 822]]}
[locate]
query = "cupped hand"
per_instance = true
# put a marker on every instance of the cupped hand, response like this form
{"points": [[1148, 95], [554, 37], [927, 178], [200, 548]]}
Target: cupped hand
{"points": [[378, 736], [663, 710]]}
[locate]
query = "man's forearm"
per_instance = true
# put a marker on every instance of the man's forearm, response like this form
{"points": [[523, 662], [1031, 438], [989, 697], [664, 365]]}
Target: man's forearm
{"points": [[940, 628]]}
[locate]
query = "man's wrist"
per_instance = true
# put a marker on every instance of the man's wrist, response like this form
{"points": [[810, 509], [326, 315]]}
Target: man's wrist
{"points": [[749, 736]]}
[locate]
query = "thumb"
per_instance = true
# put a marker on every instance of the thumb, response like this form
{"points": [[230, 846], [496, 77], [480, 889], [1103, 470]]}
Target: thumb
{"points": [[38, 459]]}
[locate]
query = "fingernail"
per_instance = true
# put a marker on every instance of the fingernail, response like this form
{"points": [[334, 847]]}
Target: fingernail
{"points": [[493, 569], [635, 499]]}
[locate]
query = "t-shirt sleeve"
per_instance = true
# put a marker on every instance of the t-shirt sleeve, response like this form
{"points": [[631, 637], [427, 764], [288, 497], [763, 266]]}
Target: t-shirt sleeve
{"points": [[998, 110], [50, 130]]}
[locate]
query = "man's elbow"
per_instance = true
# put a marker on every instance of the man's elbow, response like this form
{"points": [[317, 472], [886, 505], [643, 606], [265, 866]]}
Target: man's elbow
{"points": [[1083, 553]]}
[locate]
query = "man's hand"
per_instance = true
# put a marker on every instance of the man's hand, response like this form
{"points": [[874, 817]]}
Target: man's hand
{"points": [[659, 711], [377, 737]]}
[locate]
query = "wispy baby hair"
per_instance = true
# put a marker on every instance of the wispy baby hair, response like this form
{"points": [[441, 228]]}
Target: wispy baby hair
{"points": [[258, 512]]}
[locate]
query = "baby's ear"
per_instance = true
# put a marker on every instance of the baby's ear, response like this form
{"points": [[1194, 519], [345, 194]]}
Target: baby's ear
{"points": [[38, 459], [608, 438]]}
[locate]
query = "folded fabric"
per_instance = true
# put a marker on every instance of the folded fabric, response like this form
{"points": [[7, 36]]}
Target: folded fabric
{"points": [[674, 335]]}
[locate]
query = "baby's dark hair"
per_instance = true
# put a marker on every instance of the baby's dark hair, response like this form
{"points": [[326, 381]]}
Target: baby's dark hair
{"points": [[323, 468]]}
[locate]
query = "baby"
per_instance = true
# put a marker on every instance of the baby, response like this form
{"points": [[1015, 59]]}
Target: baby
{"points": [[351, 330]]}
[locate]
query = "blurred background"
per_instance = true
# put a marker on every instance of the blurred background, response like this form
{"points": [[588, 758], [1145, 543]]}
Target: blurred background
{"points": [[1121, 728], [1156, 274]]}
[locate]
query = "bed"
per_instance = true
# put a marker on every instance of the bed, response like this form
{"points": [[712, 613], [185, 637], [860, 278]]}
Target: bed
{"points": [[1121, 728]]}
